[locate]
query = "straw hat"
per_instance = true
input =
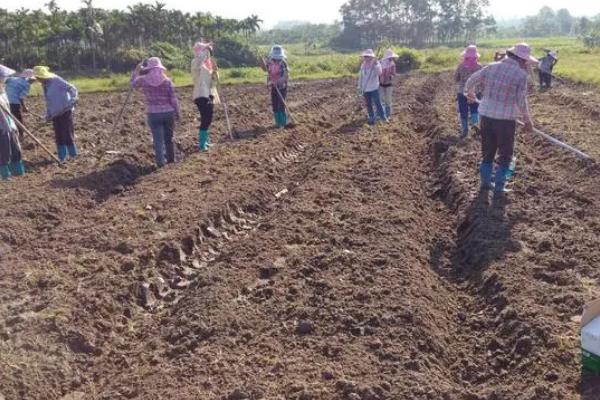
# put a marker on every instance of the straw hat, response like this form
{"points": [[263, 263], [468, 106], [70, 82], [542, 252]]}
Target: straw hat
{"points": [[42, 72], [152, 63], [389, 53], [5, 72], [553, 55], [523, 51], [27, 74], [368, 53]]}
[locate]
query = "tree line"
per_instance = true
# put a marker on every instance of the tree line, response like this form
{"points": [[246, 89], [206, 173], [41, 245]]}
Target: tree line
{"points": [[92, 38], [415, 23]]}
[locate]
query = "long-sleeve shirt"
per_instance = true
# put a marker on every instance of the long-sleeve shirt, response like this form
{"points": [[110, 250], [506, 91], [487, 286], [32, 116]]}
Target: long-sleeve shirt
{"points": [[6, 122], [277, 74], [60, 96], [462, 75], [17, 89], [387, 74], [368, 80], [504, 89], [547, 64], [159, 99], [202, 78]]}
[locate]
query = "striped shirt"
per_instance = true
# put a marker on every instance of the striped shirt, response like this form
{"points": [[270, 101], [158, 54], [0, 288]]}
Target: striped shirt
{"points": [[159, 99], [462, 75], [17, 89], [504, 88]]}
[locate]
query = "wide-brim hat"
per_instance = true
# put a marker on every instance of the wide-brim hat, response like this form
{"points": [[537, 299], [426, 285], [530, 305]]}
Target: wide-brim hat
{"points": [[368, 53], [42, 72], [553, 55], [200, 47], [523, 51], [277, 53], [154, 63], [389, 53], [5, 72], [471, 52]]}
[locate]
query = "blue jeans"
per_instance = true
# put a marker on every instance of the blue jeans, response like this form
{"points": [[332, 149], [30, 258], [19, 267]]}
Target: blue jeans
{"points": [[464, 108], [162, 126], [374, 99]]}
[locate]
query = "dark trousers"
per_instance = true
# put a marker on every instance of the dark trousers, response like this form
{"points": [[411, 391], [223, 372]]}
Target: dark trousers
{"points": [[276, 101], [497, 136], [64, 132], [15, 110], [206, 108], [10, 148], [464, 107], [162, 126], [374, 105], [545, 79]]}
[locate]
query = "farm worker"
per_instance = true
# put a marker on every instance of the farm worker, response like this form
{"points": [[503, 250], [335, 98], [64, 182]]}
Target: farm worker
{"points": [[60, 97], [386, 80], [546, 65], [277, 80], [17, 89], [368, 85], [162, 107], [468, 67], [203, 71], [10, 148], [504, 88]]}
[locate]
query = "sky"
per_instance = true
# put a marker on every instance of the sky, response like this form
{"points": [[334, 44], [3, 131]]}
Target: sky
{"points": [[272, 11]]}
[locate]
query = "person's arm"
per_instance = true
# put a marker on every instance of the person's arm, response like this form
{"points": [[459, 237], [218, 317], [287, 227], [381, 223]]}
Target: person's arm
{"points": [[173, 101], [135, 80], [378, 68], [523, 104], [457, 74], [475, 84]]}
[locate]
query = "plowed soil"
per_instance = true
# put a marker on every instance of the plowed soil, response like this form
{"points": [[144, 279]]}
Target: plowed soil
{"points": [[329, 260]]}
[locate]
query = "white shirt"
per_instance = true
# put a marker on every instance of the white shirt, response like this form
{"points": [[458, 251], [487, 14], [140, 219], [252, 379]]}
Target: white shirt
{"points": [[368, 80]]}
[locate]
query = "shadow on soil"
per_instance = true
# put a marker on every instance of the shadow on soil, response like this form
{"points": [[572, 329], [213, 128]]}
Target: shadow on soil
{"points": [[590, 387], [107, 182]]}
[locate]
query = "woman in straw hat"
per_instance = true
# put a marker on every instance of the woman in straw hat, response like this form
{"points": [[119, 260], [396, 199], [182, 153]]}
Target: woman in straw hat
{"points": [[278, 80], [368, 85], [504, 100], [162, 107], [17, 89], [203, 70], [468, 66], [10, 148], [386, 80], [60, 97], [546, 65]]}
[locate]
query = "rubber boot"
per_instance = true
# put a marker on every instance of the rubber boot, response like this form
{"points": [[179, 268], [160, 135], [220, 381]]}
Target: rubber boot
{"points": [[276, 118], [475, 119], [18, 168], [388, 111], [203, 140], [485, 172], [500, 186], [284, 120], [72, 150], [5, 172], [62, 153], [465, 127]]}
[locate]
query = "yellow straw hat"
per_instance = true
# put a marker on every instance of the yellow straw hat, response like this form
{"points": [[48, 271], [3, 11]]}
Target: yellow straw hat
{"points": [[42, 72]]}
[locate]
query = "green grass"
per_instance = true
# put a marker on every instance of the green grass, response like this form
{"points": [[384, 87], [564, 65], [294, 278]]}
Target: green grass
{"points": [[576, 63]]}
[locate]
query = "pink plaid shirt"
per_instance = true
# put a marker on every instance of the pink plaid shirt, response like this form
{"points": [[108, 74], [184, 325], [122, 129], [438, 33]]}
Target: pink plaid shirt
{"points": [[159, 99], [504, 88]]}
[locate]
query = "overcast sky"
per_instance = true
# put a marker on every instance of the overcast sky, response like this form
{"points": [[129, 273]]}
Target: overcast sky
{"points": [[272, 11]]}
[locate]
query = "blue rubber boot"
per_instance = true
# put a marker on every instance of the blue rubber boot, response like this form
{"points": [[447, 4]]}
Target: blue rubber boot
{"points": [[203, 140], [18, 168], [62, 153], [5, 172], [276, 117], [500, 186], [284, 119], [475, 119], [465, 127], [72, 150], [485, 172]]}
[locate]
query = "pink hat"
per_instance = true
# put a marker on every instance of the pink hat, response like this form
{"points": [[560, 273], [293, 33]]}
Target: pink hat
{"points": [[523, 51], [152, 63], [389, 53], [368, 53], [199, 47], [471, 52]]}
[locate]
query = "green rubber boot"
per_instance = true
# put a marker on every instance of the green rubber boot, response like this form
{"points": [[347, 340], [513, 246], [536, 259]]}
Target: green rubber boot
{"points": [[18, 168], [203, 140], [5, 172], [284, 119]]}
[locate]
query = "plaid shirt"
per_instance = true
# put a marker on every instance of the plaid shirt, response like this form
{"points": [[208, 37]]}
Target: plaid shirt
{"points": [[159, 99], [504, 88], [462, 75], [17, 89]]}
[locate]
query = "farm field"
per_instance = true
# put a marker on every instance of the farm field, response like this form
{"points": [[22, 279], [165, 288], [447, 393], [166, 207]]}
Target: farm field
{"points": [[330, 260]]}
